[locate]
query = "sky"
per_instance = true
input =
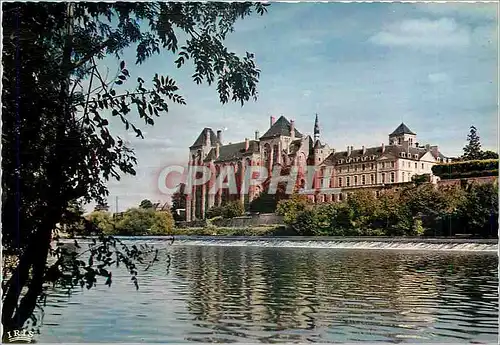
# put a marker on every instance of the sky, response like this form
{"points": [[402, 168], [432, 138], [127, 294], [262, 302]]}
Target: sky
{"points": [[362, 67]]}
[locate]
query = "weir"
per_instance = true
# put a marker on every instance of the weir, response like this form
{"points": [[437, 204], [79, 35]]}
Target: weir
{"points": [[349, 243], [365, 243]]}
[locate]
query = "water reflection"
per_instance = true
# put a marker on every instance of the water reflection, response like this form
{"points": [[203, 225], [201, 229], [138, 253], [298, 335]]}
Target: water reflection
{"points": [[312, 295], [229, 294]]}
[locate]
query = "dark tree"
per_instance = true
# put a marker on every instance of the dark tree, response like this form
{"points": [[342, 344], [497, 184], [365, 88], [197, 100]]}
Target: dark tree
{"points": [[146, 204], [179, 202], [472, 150], [57, 104], [489, 155]]}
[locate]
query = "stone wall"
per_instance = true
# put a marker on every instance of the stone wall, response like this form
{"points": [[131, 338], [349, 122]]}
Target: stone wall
{"points": [[458, 181], [253, 220], [237, 222]]}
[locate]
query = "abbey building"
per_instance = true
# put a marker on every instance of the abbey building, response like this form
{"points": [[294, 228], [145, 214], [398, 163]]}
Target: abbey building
{"points": [[394, 162]]}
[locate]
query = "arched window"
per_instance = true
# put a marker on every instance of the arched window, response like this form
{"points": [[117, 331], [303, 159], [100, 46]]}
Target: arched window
{"points": [[340, 181], [392, 177], [383, 177], [403, 176], [363, 180], [276, 154]]}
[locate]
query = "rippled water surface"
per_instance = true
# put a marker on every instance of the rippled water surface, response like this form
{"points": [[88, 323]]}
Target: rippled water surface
{"points": [[252, 294]]}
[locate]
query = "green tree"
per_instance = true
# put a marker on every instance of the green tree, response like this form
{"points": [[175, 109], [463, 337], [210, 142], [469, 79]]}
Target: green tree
{"points": [[291, 208], [140, 221], [56, 97], [102, 220], [163, 223], [489, 155], [146, 204], [232, 209], [479, 213], [472, 150]]}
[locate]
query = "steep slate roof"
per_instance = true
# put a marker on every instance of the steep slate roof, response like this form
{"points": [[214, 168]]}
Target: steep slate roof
{"points": [[281, 127], [233, 151], [319, 145], [402, 129], [200, 141], [393, 150]]}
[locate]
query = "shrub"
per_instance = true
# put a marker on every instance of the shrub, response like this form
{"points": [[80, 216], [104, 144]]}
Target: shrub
{"points": [[290, 208], [465, 168]]}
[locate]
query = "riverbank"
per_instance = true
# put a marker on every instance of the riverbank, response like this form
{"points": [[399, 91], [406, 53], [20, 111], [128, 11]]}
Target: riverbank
{"points": [[262, 230]]}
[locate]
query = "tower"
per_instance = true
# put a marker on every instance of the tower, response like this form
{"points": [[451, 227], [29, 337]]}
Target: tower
{"points": [[316, 129], [401, 135]]}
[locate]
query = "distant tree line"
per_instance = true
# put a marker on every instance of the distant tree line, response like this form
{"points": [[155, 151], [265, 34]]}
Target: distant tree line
{"points": [[136, 221], [415, 210]]}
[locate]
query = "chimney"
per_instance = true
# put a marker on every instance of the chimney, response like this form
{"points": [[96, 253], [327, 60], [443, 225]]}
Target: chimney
{"points": [[246, 144], [257, 135], [427, 147], [272, 120], [383, 147], [207, 138], [417, 145], [217, 150], [349, 148], [219, 135], [364, 149], [292, 129]]}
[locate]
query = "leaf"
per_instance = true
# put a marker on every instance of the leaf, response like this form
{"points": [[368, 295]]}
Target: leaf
{"points": [[122, 65], [118, 82]]}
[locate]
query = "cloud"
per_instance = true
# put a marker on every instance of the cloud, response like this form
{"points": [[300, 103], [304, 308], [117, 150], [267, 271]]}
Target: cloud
{"points": [[470, 11], [418, 33], [436, 78]]}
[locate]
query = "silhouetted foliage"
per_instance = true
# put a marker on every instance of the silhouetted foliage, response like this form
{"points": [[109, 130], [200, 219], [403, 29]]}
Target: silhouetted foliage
{"points": [[57, 105]]}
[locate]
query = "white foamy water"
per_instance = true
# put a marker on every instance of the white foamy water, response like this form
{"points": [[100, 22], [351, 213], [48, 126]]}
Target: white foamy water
{"points": [[373, 245], [384, 243]]}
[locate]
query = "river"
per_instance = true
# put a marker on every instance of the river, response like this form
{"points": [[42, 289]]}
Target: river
{"points": [[229, 291]]}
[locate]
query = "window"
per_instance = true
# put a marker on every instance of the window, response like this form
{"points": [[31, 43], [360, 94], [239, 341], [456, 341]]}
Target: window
{"points": [[363, 180], [416, 166], [383, 178], [392, 177], [355, 180], [392, 164], [348, 181], [355, 168], [403, 177], [340, 181], [340, 170], [399, 141], [403, 154], [340, 197], [371, 166], [363, 167], [416, 156], [422, 165], [372, 179], [409, 165]]}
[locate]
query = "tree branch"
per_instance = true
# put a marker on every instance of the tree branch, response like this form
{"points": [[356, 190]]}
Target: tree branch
{"points": [[91, 54]]}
